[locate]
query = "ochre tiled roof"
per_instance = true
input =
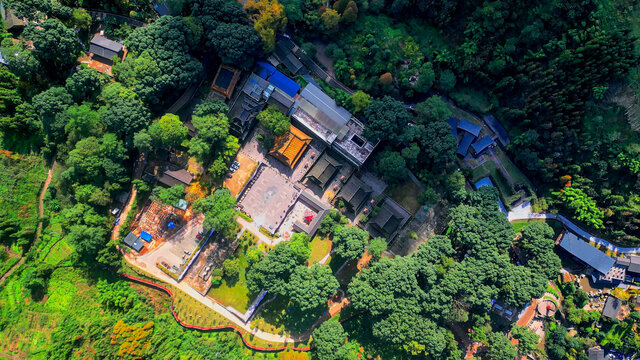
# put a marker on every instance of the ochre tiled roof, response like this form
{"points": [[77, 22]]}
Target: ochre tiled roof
{"points": [[289, 147]]}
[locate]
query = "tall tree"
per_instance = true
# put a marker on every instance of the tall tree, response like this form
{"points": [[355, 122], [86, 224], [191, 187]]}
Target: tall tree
{"points": [[350, 242], [330, 341], [168, 131], [219, 211], [55, 45], [268, 18], [310, 288]]}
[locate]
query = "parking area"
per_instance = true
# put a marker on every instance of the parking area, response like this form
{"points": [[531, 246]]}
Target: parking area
{"points": [[268, 198], [236, 181], [177, 249]]}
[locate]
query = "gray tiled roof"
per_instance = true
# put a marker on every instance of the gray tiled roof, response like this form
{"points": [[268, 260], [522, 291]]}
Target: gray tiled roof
{"points": [[103, 47], [586, 253]]}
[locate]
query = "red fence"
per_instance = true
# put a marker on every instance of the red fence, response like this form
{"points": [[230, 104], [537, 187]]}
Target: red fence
{"points": [[211, 328]]}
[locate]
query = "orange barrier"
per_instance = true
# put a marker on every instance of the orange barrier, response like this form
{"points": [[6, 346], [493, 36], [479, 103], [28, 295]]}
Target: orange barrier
{"points": [[212, 328]]}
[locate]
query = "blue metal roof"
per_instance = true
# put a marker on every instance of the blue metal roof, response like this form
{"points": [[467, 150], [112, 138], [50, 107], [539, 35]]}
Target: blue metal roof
{"points": [[482, 144], [469, 127], [282, 82], [463, 147], [276, 78], [497, 128], [586, 253], [145, 236], [162, 9], [453, 122]]}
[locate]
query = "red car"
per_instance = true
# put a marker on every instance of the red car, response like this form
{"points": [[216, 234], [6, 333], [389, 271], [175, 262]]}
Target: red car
{"points": [[199, 237]]}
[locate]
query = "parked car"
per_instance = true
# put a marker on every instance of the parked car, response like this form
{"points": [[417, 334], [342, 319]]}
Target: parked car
{"points": [[117, 221], [235, 165], [199, 237], [187, 252]]}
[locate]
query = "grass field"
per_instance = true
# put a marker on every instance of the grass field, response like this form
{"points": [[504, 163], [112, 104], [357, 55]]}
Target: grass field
{"points": [[19, 187], [406, 194], [490, 169], [518, 225], [319, 248], [234, 292]]}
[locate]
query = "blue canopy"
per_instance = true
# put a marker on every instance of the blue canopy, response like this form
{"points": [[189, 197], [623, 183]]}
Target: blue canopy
{"points": [[145, 236], [276, 78], [171, 225]]}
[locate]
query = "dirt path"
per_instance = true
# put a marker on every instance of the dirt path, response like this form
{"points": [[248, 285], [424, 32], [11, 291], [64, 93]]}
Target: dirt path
{"points": [[45, 187], [123, 215]]}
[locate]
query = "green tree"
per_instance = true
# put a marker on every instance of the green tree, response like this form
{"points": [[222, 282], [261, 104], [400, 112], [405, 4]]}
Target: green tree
{"points": [[168, 131], [274, 121], [231, 268], [116, 295], [273, 273], [219, 211], [159, 63], [48, 103], [446, 81], [143, 141], [85, 84], [426, 78], [360, 100], [210, 107], [581, 205], [330, 21], [81, 122], [377, 246], [527, 339], [391, 166], [168, 196], [310, 288], [433, 109], [500, 347], [350, 242], [87, 241], [300, 245], [81, 19], [55, 45], [332, 223], [387, 119], [124, 114], [350, 14], [329, 340]]}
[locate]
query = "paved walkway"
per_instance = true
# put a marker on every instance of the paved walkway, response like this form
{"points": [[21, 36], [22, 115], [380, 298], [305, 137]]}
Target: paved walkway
{"points": [[523, 212], [210, 303]]}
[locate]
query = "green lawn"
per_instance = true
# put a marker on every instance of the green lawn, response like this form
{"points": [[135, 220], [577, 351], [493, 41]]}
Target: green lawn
{"points": [[490, 169], [406, 194], [319, 248], [517, 175], [235, 294], [518, 225]]}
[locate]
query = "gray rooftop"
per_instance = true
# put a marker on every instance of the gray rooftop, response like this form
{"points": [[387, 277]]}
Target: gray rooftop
{"points": [[586, 253], [611, 307], [324, 169], [133, 241], [388, 219], [104, 47], [355, 192], [336, 116], [596, 353]]}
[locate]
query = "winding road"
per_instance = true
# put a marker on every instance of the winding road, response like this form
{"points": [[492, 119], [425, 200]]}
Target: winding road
{"points": [[523, 212]]}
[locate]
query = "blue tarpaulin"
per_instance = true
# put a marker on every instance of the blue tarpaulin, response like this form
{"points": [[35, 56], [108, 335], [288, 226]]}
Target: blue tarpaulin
{"points": [[276, 78], [171, 225], [145, 236]]}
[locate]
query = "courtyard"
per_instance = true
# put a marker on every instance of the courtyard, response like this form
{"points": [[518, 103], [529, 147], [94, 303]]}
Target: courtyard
{"points": [[268, 197]]}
